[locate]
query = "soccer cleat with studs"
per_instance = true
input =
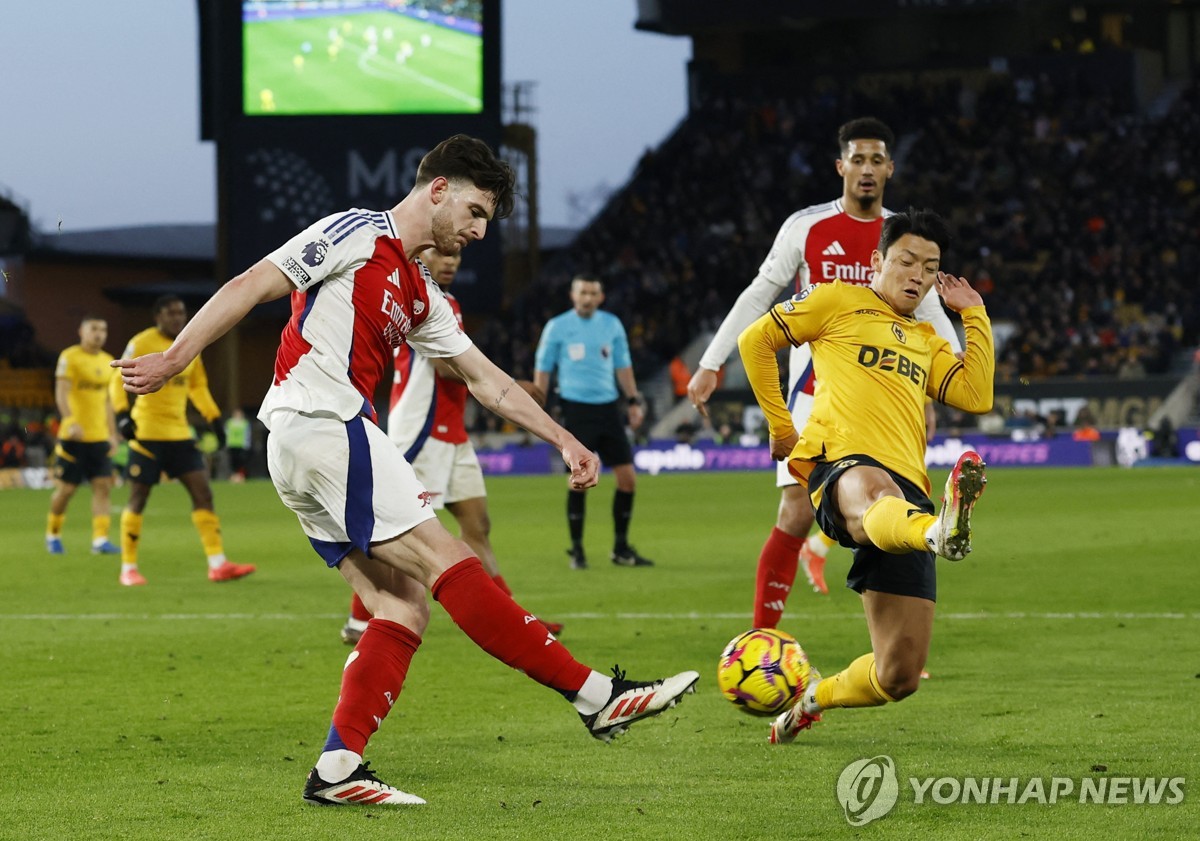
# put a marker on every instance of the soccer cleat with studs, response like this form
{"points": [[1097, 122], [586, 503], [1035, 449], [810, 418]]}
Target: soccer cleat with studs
{"points": [[950, 536], [131, 578], [54, 546], [105, 547], [788, 725], [350, 634], [627, 556], [633, 700], [361, 788]]}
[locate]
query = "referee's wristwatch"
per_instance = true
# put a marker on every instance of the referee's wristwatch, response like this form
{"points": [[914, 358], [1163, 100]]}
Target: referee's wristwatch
{"points": [[636, 400]]}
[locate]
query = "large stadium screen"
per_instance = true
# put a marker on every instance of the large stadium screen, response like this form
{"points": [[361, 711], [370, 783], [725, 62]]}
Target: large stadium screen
{"points": [[333, 57]]}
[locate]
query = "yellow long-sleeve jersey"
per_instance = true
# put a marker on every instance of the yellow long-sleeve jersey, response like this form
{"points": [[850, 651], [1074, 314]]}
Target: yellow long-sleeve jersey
{"points": [[162, 416], [88, 376], [874, 368]]}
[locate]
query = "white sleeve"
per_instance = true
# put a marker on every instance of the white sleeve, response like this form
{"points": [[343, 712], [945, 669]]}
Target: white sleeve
{"points": [[311, 255], [755, 300], [439, 334], [931, 310]]}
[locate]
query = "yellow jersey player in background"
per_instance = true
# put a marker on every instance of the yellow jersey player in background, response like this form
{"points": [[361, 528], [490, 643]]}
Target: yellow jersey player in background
{"points": [[160, 441], [861, 456], [87, 436]]}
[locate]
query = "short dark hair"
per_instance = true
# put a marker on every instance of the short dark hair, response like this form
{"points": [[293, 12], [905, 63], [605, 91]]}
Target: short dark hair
{"points": [[164, 301], [865, 128], [587, 277], [919, 222], [469, 158], [91, 317]]}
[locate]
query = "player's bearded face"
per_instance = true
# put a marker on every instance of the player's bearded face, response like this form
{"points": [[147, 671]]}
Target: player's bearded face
{"points": [[446, 238], [905, 274]]}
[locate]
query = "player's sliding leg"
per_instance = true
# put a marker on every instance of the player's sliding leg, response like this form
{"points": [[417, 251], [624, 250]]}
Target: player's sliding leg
{"points": [[780, 556], [901, 628], [894, 525]]}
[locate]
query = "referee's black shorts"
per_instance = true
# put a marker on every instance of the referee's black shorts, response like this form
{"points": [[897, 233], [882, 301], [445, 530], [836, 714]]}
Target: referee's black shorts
{"points": [[599, 427], [914, 574]]}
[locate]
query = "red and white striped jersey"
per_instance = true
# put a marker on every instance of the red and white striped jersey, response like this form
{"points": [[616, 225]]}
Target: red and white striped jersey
{"points": [[818, 244], [357, 298], [423, 403]]}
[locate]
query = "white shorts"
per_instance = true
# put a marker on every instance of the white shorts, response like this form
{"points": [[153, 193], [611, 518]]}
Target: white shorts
{"points": [[799, 403], [345, 481], [450, 472]]}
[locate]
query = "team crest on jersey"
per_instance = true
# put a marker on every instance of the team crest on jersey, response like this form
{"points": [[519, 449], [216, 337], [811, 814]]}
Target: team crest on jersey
{"points": [[314, 253], [418, 307], [899, 334]]}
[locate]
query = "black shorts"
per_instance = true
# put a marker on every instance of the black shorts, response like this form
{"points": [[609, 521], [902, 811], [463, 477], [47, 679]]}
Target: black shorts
{"points": [[76, 462], [149, 459], [914, 574], [599, 427]]}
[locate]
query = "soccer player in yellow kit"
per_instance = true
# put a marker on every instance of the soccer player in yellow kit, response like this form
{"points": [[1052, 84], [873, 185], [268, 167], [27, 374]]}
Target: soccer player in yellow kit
{"points": [[861, 456], [160, 441], [87, 436]]}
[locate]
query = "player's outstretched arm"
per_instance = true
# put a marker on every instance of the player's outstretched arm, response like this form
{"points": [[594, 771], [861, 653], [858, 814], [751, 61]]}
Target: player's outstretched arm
{"points": [[965, 382], [759, 344], [499, 392], [262, 282]]}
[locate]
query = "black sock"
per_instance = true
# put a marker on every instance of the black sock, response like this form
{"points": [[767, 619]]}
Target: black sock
{"points": [[622, 514], [576, 503]]}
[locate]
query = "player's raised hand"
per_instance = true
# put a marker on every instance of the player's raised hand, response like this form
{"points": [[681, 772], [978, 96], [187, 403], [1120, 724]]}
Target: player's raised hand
{"points": [[145, 374], [700, 388], [582, 463], [956, 292]]}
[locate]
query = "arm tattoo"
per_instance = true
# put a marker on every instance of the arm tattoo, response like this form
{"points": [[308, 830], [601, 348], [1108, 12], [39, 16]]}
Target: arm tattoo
{"points": [[503, 393]]}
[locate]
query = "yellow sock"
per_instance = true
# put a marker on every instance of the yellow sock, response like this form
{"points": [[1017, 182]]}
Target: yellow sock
{"points": [[209, 526], [825, 539], [896, 525], [54, 524], [100, 527], [131, 531], [857, 685]]}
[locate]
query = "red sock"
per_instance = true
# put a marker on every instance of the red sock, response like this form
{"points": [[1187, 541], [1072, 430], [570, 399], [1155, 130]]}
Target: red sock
{"points": [[357, 609], [776, 572], [371, 683], [506, 630], [502, 584]]}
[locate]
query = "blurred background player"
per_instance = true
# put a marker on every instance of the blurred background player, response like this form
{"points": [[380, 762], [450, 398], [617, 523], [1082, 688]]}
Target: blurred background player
{"points": [[87, 435], [861, 456], [237, 444], [588, 347], [425, 421], [818, 244], [160, 441]]}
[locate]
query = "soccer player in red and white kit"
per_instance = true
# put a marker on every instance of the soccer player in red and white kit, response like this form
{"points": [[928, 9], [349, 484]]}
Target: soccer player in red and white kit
{"points": [[357, 292], [426, 422], [818, 244]]}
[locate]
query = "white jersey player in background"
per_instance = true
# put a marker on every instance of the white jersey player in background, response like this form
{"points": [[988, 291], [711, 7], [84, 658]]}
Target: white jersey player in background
{"points": [[426, 421], [819, 244]]}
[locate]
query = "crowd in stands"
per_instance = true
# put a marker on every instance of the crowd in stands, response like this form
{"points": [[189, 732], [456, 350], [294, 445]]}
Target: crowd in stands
{"points": [[1075, 216]]}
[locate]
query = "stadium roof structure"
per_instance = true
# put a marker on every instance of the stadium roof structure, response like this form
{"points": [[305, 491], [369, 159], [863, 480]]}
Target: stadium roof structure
{"points": [[145, 242]]}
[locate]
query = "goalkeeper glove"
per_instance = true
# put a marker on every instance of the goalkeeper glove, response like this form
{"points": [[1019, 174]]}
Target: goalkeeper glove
{"points": [[126, 426]]}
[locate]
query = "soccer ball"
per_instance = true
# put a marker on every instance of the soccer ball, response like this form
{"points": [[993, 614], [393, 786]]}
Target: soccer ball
{"points": [[763, 671]]}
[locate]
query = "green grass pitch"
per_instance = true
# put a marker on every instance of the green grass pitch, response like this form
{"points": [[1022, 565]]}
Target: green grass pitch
{"points": [[1067, 645], [410, 67]]}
